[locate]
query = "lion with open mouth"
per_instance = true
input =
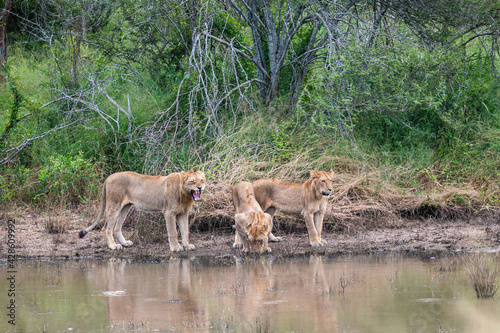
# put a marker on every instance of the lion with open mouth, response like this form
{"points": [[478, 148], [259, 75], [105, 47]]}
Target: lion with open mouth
{"points": [[172, 195]]}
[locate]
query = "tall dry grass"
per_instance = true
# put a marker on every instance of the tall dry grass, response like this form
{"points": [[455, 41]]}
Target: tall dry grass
{"points": [[363, 197]]}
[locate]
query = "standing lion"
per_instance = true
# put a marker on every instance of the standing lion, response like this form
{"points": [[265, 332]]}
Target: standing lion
{"points": [[309, 199], [173, 195]]}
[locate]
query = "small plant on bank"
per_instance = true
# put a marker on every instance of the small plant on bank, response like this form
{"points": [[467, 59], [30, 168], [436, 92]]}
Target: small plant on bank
{"points": [[484, 275], [56, 224]]}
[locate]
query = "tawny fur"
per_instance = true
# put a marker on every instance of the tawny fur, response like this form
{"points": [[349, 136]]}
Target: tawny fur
{"points": [[171, 195], [309, 199], [253, 226]]}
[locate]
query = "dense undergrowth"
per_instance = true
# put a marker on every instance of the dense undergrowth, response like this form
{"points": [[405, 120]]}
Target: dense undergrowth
{"points": [[416, 134]]}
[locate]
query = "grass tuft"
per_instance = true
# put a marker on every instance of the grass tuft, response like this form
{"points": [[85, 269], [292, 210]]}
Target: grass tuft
{"points": [[56, 223]]}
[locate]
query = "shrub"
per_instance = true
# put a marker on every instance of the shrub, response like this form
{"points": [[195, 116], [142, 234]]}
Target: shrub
{"points": [[14, 184], [67, 180], [56, 224]]}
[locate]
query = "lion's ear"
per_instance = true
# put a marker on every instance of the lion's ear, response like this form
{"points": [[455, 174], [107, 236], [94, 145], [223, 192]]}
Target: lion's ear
{"points": [[331, 173], [314, 174], [184, 175], [248, 228]]}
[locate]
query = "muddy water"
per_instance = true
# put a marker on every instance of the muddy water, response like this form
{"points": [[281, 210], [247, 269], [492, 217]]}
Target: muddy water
{"points": [[314, 294]]}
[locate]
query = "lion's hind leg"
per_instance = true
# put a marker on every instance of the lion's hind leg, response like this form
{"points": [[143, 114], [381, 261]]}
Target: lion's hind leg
{"points": [[271, 210], [118, 226], [112, 214], [273, 238]]}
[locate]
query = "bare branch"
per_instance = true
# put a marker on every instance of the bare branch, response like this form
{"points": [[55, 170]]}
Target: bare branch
{"points": [[244, 55], [13, 152]]}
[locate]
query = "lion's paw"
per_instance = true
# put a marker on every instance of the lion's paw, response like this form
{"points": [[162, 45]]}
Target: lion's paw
{"points": [[176, 248], [190, 247], [127, 243], [324, 242], [237, 245], [115, 247], [316, 244], [273, 238]]}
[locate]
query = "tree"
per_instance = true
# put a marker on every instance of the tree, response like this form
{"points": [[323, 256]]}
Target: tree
{"points": [[77, 86], [4, 17], [275, 27], [151, 36], [452, 23]]}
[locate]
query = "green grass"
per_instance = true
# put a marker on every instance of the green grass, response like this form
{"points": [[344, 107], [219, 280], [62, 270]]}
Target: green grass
{"points": [[439, 129]]}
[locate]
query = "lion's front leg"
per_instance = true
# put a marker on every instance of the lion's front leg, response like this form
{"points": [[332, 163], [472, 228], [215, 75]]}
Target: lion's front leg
{"points": [[237, 240], [182, 221], [172, 232], [314, 239], [318, 222], [265, 247]]}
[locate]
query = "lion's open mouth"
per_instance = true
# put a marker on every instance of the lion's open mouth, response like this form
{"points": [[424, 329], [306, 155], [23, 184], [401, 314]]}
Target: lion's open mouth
{"points": [[325, 194], [196, 194]]}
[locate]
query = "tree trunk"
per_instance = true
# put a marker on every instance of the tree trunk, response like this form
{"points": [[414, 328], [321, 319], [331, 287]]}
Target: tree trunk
{"points": [[4, 16], [308, 58]]}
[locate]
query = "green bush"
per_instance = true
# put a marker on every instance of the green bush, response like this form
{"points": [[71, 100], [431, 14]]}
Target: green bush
{"points": [[62, 180], [68, 180], [14, 184]]}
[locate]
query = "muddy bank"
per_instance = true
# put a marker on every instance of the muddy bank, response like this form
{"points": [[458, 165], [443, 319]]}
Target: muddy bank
{"points": [[426, 237]]}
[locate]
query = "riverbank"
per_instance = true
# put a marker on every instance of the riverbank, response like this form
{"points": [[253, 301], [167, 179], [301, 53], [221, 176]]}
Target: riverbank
{"points": [[424, 237]]}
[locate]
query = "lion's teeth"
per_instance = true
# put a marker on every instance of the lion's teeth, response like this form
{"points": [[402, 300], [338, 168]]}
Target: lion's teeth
{"points": [[196, 194]]}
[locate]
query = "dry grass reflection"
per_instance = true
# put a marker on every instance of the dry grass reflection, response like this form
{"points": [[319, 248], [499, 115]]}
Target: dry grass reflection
{"points": [[484, 274]]}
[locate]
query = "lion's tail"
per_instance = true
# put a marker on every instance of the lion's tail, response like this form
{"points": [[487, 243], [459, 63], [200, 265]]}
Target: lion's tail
{"points": [[103, 207]]}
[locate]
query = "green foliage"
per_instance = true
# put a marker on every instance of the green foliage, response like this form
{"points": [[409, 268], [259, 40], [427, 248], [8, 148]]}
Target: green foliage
{"points": [[11, 116], [63, 180], [14, 184], [414, 105], [67, 179], [417, 116], [282, 136]]}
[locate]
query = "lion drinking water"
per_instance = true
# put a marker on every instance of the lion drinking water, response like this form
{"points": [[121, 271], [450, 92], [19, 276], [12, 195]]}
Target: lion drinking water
{"points": [[173, 195], [309, 199], [253, 226]]}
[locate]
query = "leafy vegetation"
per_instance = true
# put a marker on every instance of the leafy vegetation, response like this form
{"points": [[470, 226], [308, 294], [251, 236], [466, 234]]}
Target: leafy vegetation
{"points": [[161, 87]]}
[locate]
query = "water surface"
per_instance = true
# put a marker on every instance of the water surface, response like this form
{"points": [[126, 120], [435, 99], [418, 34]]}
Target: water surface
{"points": [[379, 293]]}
